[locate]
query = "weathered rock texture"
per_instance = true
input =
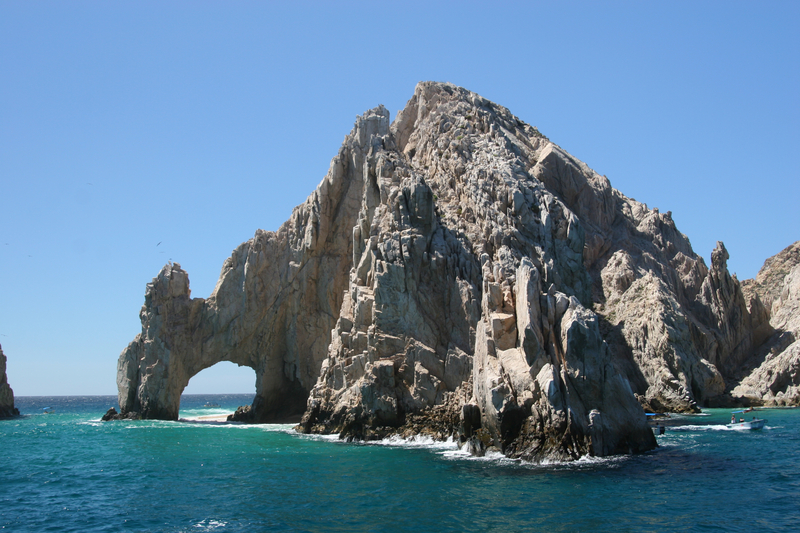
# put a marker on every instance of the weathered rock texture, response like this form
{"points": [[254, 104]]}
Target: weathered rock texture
{"points": [[772, 375], [7, 408], [273, 309], [458, 274]]}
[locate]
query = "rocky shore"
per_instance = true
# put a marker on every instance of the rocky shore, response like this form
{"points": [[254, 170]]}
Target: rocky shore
{"points": [[456, 274]]}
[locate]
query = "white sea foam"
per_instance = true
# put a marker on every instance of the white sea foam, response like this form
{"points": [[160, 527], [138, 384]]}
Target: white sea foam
{"points": [[492, 456], [417, 441], [395, 441], [334, 437], [697, 427], [237, 426], [210, 524], [449, 450], [495, 457]]}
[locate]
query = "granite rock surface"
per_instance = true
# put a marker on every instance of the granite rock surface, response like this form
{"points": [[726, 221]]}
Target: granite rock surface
{"points": [[457, 274], [772, 375], [273, 308]]}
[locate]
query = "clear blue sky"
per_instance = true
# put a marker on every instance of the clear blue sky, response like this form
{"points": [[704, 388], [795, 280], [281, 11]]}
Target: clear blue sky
{"points": [[192, 124]]}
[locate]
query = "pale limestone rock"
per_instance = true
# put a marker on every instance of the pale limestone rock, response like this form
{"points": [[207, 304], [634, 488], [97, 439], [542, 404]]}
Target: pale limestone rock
{"points": [[273, 308], [453, 256], [769, 282], [457, 273], [657, 331], [740, 328], [7, 408], [677, 329], [772, 375]]}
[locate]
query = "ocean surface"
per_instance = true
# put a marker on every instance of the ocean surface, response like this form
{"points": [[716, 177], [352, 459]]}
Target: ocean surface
{"points": [[67, 471]]}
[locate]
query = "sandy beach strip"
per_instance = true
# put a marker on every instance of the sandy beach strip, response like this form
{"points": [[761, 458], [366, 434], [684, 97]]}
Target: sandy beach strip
{"points": [[207, 418]]}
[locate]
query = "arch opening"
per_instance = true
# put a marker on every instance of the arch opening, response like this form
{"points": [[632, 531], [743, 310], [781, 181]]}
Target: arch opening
{"points": [[217, 391]]}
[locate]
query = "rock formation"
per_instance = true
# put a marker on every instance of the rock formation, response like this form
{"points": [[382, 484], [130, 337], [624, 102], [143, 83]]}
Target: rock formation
{"points": [[772, 375], [458, 274], [7, 408], [466, 268], [273, 308]]}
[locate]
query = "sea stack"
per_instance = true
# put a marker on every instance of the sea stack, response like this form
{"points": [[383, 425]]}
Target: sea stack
{"points": [[7, 408], [457, 274]]}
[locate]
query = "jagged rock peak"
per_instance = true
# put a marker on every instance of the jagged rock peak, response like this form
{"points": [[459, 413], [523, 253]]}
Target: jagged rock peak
{"points": [[772, 374], [7, 408], [768, 283], [466, 310]]}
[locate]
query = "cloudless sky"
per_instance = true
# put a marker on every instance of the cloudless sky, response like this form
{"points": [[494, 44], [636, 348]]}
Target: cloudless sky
{"points": [[192, 124]]}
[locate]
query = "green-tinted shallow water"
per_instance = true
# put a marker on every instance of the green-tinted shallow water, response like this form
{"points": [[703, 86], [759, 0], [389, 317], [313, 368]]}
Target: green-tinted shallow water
{"points": [[66, 471]]}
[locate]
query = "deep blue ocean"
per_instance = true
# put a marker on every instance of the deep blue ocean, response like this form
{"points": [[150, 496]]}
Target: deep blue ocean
{"points": [[67, 471]]}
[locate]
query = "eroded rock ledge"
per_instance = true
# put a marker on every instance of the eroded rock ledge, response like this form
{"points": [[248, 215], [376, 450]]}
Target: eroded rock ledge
{"points": [[458, 274], [7, 408]]}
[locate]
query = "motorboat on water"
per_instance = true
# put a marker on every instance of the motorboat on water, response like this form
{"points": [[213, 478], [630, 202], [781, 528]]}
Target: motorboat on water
{"points": [[47, 410], [653, 420], [211, 404], [741, 423]]}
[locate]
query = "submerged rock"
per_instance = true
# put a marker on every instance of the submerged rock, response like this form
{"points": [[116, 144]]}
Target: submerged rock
{"points": [[243, 413], [7, 408], [112, 414], [456, 274]]}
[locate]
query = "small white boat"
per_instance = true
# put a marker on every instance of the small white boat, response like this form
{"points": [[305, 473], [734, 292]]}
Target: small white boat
{"points": [[655, 424], [741, 423]]}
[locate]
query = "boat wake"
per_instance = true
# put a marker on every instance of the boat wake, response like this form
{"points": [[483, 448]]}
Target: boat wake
{"points": [[709, 427]]}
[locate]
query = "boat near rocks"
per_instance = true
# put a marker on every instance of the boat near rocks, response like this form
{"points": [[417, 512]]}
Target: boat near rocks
{"points": [[655, 421], [755, 423]]}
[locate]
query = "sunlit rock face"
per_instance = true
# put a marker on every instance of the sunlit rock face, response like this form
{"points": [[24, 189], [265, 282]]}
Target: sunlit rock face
{"points": [[7, 408], [458, 274], [771, 376], [273, 308]]}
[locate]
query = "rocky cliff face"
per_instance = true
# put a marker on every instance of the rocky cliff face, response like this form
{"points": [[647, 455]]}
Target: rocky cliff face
{"points": [[772, 375], [273, 309], [467, 301], [456, 273], [7, 408]]}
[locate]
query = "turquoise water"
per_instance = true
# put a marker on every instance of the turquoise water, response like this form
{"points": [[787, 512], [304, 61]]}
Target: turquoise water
{"points": [[66, 471]]}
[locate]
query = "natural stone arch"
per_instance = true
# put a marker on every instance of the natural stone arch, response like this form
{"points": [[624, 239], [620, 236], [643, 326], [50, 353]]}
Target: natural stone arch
{"points": [[277, 299], [222, 379]]}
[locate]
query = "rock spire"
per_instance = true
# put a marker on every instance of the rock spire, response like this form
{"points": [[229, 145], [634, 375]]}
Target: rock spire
{"points": [[7, 408]]}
